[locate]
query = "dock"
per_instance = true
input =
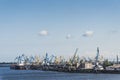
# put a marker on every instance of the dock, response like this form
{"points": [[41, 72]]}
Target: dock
{"points": [[74, 65]]}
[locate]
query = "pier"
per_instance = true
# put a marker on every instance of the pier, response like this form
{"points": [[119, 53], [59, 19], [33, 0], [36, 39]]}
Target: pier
{"points": [[74, 65]]}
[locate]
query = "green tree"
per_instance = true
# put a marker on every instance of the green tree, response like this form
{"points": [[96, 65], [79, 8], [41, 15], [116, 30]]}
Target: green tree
{"points": [[106, 63]]}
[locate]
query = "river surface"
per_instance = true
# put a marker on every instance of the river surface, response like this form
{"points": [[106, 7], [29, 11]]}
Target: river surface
{"points": [[7, 74]]}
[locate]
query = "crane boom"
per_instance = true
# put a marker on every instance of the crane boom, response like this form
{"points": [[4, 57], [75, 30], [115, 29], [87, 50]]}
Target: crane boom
{"points": [[74, 55], [97, 56]]}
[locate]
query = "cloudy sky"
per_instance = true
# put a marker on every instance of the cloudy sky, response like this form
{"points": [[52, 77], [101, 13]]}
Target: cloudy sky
{"points": [[58, 27]]}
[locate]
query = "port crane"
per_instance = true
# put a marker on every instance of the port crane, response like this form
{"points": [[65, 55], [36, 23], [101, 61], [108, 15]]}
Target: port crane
{"points": [[74, 57], [117, 59], [31, 59], [46, 59], [97, 65], [97, 56], [62, 60], [20, 59], [51, 59]]}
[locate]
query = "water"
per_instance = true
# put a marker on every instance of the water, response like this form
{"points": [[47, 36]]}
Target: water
{"points": [[7, 74]]}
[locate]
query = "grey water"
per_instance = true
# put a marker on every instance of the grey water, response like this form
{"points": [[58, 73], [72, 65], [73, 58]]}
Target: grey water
{"points": [[7, 74]]}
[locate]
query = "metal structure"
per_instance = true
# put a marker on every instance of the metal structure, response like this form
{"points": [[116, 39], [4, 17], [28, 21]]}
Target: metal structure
{"points": [[97, 65], [97, 56], [51, 59], [117, 59], [46, 59], [74, 56]]}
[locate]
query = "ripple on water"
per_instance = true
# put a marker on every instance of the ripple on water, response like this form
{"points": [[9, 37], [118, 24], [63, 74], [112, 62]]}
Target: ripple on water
{"points": [[7, 74]]}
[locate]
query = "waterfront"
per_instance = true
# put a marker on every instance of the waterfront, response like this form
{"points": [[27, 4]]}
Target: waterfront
{"points": [[7, 74]]}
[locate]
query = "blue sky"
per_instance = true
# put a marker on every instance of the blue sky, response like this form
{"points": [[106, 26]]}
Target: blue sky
{"points": [[86, 23]]}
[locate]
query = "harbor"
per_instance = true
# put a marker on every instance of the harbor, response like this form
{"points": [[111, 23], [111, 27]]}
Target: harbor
{"points": [[59, 39], [75, 64]]}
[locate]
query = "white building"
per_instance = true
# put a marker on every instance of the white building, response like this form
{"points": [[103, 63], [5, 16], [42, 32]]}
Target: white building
{"points": [[113, 67], [86, 65]]}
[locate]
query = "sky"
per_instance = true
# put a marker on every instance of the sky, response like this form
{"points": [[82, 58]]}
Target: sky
{"points": [[58, 27]]}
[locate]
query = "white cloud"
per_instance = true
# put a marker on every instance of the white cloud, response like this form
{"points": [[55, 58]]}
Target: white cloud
{"points": [[68, 36], [43, 33], [88, 33]]}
